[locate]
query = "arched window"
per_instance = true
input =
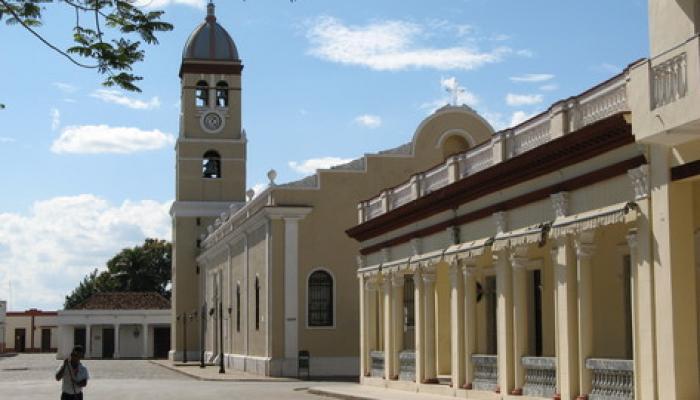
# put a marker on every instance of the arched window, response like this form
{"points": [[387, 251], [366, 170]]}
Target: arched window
{"points": [[257, 303], [222, 94], [453, 145], [211, 165], [201, 94], [320, 299], [238, 307]]}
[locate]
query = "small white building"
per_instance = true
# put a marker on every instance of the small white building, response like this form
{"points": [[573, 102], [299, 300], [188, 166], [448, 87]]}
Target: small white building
{"points": [[117, 325]]}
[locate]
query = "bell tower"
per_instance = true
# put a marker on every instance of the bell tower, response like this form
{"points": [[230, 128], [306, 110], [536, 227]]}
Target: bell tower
{"points": [[210, 165]]}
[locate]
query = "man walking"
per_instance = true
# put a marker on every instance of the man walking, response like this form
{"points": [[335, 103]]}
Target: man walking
{"points": [[74, 375]]}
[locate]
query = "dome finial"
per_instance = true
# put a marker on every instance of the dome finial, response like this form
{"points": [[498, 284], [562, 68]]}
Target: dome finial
{"points": [[211, 11]]}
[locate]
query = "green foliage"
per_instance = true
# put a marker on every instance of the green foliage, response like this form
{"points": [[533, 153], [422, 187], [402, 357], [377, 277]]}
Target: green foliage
{"points": [[107, 34], [145, 268]]}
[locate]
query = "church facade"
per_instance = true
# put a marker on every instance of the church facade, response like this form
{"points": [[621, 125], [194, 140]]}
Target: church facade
{"points": [[559, 259], [262, 278]]}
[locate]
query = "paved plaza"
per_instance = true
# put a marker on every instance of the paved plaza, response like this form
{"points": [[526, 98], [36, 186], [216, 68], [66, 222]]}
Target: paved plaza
{"points": [[30, 377]]}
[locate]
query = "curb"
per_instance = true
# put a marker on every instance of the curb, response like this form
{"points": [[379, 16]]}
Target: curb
{"points": [[223, 379], [336, 395]]}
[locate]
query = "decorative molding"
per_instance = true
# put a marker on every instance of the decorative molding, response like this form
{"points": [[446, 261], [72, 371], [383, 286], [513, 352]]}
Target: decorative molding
{"points": [[417, 246], [386, 255], [397, 279], [632, 239], [519, 262], [640, 181], [560, 203], [499, 218]]}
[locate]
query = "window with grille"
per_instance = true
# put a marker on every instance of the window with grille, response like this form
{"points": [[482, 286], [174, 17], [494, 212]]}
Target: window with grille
{"points": [[320, 299], [257, 304], [238, 308], [408, 302]]}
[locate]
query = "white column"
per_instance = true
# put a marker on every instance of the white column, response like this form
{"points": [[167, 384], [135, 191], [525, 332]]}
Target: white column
{"points": [[88, 341], [419, 329], [397, 316], [504, 322], [566, 319], [116, 341], [457, 325], [584, 252], [520, 320], [364, 331], [291, 294], [430, 373], [469, 322], [643, 310], [144, 333], [674, 280], [388, 327]]}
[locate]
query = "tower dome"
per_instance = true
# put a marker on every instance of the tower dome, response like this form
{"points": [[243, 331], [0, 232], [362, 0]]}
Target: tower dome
{"points": [[210, 41]]}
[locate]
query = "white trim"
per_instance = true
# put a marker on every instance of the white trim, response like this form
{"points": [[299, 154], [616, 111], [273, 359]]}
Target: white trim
{"points": [[201, 208], [455, 132], [334, 292]]}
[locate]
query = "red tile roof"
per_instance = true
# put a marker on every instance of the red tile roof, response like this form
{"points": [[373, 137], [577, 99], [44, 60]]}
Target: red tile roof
{"points": [[125, 301]]}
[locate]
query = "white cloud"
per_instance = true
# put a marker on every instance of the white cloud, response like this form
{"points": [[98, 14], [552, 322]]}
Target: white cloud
{"points": [[519, 117], [523, 99], [5, 139], [47, 250], [117, 97], [55, 118], [95, 139], [549, 87], [310, 166], [369, 121], [390, 46], [532, 78], [65, 87], [525, 53]]}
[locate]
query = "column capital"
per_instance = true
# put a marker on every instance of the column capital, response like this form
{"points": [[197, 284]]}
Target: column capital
{"points": [[584, 246], [428, 276], [454, 273], [499, 218], [640, 181], [560, 204], [417, 278], [518, 262], [469, 272]]}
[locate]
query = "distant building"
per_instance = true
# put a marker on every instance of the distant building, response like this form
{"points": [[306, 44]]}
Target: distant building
{"points": [[117, 325], [31, 331]]}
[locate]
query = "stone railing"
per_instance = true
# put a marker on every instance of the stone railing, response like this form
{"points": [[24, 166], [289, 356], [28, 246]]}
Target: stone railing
{"points": [[540, 376], [563, 117], [669, 81], [485, 372], [528, 136], [376, 364], [434, 179], [407, 365], [612, 379], [608, 99], [476, 160], [402, 195]]}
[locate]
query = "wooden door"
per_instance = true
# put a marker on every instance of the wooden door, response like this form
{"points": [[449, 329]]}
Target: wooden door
{"points": [[161, 342], [45, 340], [20, 340]]}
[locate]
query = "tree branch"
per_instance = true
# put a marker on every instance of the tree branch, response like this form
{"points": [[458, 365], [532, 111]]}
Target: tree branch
{"points": [[41, 38]]}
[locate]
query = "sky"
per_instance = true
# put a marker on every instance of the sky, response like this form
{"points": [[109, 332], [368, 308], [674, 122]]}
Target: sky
{"points": [[87, 170]]}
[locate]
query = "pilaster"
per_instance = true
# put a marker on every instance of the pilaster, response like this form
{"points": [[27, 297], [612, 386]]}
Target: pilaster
{"points": [[388, 327], [419, 323], [469, 272], [430, 372], [564, 263], [584, 253], [397, 281], [457, 326], [520, 319], [504, 322]]}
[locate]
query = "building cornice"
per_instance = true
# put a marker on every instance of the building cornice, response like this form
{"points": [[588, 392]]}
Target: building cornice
{"points": [[202, 208], [590, 141]]}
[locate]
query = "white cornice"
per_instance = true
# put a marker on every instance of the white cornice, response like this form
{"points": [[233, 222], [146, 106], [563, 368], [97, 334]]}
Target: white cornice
{"points": [[201, 208]]}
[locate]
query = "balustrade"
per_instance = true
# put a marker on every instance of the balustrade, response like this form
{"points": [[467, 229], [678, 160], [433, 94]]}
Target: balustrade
{"points": [[377, 363], [669, 81], [612, 379], [434, 179], [540, 376], [528, 136], [402, 195], [475, 160], [407, 365], [485, 372]]}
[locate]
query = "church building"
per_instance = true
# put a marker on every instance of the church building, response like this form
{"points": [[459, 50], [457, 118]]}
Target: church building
{"points": [[558, 259], [261, 278]]}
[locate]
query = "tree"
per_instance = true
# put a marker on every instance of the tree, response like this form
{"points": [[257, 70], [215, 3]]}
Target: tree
{"points": [[103, 34], [145, 268]]}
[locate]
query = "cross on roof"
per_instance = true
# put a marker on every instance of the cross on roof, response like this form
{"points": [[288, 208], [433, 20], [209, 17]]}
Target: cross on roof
{"points": [[454, 91]]}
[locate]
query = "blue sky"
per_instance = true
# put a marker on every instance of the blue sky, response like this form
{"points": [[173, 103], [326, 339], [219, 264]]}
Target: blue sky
{"points": [[87, 170]]}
